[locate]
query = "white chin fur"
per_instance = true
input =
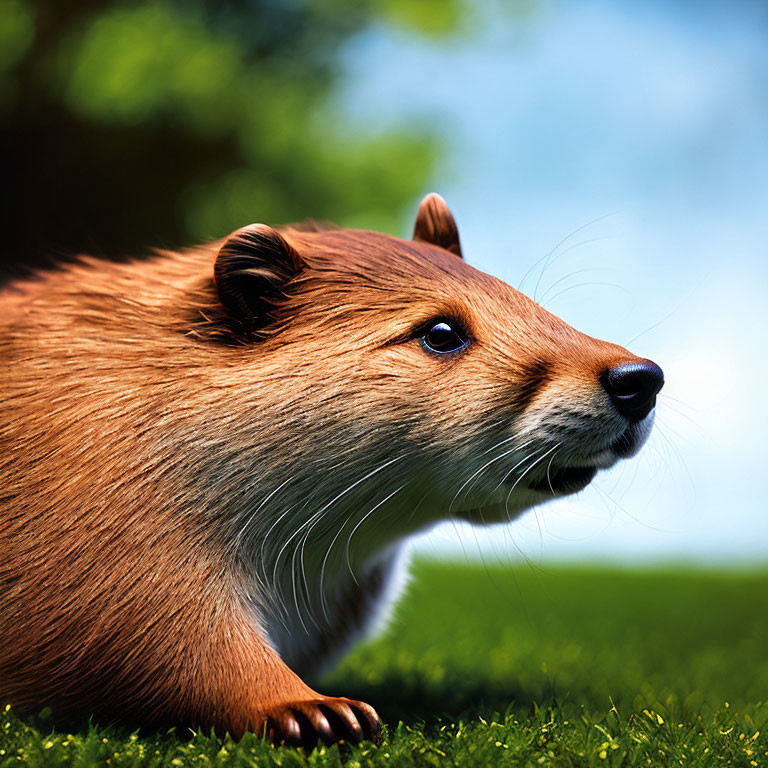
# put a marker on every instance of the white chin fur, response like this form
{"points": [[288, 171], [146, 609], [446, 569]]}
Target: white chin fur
{"points": [[640, 433], [644, 429]]}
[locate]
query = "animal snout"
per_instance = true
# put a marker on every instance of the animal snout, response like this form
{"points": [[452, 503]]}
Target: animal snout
{"points": [[633, 387]]}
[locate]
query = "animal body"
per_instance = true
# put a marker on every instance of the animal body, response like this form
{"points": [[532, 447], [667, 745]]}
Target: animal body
{"points": [[210, 459]]}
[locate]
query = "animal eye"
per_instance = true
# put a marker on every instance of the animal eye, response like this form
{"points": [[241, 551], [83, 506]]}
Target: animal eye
{"points": [[443, 337]]}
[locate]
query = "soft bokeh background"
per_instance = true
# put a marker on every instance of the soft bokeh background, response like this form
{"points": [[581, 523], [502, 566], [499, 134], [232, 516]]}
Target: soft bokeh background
{"points": [[609, 158]]}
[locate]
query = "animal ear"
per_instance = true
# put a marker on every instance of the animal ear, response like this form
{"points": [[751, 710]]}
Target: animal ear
{"points": [[251, 271], [435, 224]]}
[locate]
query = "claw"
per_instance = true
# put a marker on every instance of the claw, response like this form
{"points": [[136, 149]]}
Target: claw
{"points": [[322, 726], [285, 728], [346, 724], [369, 720], [329, 720]]}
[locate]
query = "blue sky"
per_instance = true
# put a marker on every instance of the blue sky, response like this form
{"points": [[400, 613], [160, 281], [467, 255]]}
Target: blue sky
{"points": [[636, 134]]}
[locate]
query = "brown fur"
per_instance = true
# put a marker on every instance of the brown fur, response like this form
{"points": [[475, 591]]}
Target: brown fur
{"points": [[149, 414]]}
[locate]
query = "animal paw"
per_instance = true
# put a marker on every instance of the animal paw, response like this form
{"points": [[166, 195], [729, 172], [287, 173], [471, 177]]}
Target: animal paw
{"points": [[327, 719]]}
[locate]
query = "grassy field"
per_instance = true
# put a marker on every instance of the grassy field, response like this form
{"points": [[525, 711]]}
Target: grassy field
{"points": [[516, 667]]}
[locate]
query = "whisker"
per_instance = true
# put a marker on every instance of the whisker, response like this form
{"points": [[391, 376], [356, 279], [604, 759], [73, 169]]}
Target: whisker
{"points": [[552, 258], [677, 400], [416, 507], [563, 279], [317, 515], [501, 442], [685, 416], [548, 255], [333, 542], [362, 520], [252, 516], [661, 431], [585, 285], [668, 427], [524, 473], [653, 327], [484, 467], [522, 461], [618, 506], [573, 247], [549, 466], [294, 582]]}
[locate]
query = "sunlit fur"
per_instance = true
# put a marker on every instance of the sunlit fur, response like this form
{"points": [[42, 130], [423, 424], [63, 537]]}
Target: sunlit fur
{"points": [[187, 511]]}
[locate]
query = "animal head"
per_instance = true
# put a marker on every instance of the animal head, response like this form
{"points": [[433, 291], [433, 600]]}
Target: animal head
{"points": [[408, 368]]}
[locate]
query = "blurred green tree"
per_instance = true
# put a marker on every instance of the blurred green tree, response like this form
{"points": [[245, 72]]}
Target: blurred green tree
{"points": [[127, 124]]}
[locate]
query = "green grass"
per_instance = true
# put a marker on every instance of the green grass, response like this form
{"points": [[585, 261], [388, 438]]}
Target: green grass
{"points": [[516, 667]]}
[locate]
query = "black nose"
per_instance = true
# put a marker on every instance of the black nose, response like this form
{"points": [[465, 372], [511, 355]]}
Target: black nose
{"points": [[633, 388]]}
